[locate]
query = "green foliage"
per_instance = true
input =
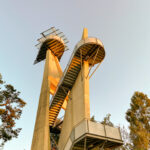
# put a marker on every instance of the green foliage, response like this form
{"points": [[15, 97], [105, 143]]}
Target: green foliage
{"points": [[106, 120], [10, 111], [93, 119], [1, 81], [138, 117]]}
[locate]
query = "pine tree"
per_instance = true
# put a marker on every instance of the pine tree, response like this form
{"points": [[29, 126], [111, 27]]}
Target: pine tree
{"points": [[106, 121], [138, 117], [10, 110], [93, 119]]}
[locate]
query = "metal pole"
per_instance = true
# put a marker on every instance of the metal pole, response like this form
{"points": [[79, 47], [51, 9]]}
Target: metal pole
{"points": [[85, 144], [93, 61]]}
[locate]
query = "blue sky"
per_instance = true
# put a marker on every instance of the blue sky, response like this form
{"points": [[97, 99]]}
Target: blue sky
{"points": [[122, 25]]}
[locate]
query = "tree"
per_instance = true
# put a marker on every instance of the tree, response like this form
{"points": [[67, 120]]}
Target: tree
{"points": [[106, 120], [138, 117], [11, 106], [127, 145], [93, 119]]}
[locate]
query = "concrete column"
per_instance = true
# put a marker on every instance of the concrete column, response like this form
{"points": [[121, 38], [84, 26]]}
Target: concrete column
{"points": [[78, 108], [41, 136], [80, 96]]}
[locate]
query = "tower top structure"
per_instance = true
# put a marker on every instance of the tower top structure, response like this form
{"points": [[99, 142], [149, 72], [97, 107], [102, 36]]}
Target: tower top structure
{"points": [[85, 33], [52, 39], [70, 91]]}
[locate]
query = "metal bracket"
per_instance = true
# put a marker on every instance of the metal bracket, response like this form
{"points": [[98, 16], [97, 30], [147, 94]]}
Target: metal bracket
{"points": [[93, 62]]}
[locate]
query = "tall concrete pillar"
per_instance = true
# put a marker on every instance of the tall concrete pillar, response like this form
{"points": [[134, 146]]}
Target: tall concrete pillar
{"points": [[52, 74], [80, 96], [78, 107]]}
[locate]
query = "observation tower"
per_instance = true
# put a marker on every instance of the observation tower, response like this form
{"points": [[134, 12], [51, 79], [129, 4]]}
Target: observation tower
{"points": [[70, 91]]}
